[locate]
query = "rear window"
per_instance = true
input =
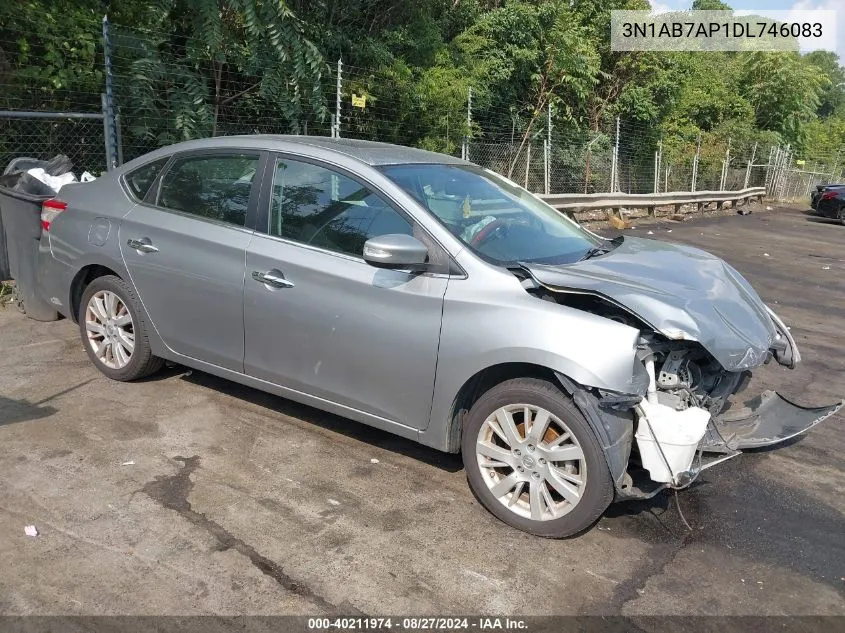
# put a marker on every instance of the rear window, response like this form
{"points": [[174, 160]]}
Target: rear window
{"points": [[140, 180]]}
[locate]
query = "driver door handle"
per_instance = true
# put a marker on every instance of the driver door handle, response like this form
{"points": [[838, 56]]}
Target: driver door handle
{"points": [[144, 245], [273, 278]]}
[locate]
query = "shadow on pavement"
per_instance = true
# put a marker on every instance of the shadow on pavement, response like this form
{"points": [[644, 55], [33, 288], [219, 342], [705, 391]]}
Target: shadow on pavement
{"points": [[14, 411], [309, 415]]}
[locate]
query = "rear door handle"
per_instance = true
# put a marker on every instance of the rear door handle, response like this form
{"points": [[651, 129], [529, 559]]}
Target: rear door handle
{"points": [[144, 245], [273, 278]]}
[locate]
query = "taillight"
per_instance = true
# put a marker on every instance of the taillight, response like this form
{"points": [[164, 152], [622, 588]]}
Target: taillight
{"points": [[827, 195], [50, 209]]}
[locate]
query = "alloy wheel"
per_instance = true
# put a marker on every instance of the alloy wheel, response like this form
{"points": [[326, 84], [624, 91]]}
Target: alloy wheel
{"points": [[531, 462], [111, 333]]}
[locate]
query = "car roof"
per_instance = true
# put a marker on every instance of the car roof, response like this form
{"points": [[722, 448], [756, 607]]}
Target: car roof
{"points": [[369, 152]]}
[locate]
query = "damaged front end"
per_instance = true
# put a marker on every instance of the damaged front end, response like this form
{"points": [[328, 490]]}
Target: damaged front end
{"points": [[690, 420], [703, 329]]}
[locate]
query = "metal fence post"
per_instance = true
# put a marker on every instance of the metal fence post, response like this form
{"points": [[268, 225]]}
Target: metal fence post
{"points": [[614, 162], [107, 134], [113, 150], [658, 158], [337, 99], [749, 166], [527, 163], [783, 172], [695, 162], [465, 145], [723, 181], [546, 166], [770, 169], [547, 152]]}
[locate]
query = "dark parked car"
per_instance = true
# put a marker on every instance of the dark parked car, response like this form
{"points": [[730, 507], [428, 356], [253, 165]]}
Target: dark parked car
{"points": [[831, 203], [827, 192]]}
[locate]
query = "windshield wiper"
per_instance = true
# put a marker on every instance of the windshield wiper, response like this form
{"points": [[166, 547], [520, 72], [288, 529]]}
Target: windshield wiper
{"points": [[595, 251]]}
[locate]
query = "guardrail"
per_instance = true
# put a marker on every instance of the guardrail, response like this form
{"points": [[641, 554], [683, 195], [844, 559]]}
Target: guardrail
{"points": [[573, 202]]}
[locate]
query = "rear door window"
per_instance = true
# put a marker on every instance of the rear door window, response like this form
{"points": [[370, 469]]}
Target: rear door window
{"points": [[215, 187], [140, 180]]}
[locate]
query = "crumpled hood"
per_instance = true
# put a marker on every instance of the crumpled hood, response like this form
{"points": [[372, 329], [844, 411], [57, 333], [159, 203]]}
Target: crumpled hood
{"points": [[680, 291]]}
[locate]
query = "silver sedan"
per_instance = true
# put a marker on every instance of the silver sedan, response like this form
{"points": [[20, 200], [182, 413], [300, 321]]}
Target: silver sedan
{"points": [[428, 297]]}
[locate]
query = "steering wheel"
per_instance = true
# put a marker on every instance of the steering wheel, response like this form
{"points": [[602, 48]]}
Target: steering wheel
{"points": [[487, 232]]}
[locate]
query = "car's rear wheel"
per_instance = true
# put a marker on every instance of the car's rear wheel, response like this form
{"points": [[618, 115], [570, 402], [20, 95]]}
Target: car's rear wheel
{"points": [[533, 461], [841, 214], [113, 332]]}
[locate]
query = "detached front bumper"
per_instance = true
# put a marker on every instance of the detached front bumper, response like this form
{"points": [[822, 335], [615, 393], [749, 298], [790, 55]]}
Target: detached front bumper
{"points": [[765, 420]]}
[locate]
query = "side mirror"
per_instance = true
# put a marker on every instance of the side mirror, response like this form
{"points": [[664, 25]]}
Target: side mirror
{"points": [[396, 251]]}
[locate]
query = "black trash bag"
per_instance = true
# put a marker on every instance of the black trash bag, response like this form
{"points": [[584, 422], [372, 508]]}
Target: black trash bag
{"points": [[10, 180], [56, 166], [31, 185]]}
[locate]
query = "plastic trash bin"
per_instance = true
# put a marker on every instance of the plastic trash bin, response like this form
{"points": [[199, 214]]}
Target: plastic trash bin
{"points": [[21, 221]]}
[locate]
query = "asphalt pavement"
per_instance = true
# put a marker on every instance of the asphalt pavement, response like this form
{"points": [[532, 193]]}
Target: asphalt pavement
{"points": [[187, 494]]}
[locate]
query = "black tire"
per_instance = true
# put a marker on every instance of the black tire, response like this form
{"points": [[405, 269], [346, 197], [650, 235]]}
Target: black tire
{"points": [[598, 489], [841, 214], [141, 362]]}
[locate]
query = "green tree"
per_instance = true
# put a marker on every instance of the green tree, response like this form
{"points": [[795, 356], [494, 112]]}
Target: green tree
{"points": [[710, 5], [832, 99], [784, 90], [202, 56]]}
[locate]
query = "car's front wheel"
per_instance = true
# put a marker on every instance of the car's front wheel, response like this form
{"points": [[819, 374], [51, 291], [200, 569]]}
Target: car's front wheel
{"points": [[113, 331], [533, 461]]}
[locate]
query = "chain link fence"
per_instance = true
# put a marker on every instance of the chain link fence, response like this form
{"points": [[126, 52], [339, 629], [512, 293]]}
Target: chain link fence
{"points": [[134, 93], [42, 137]]}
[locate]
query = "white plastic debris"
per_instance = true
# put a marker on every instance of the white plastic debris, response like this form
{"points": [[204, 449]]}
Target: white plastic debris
{"points": [[87, 177], [54, 182], [669, 231], [334, 502], [768, 208], [825, 267], [374, 461], [650, 233], [30, 530], [765, 254], [129, 463]]}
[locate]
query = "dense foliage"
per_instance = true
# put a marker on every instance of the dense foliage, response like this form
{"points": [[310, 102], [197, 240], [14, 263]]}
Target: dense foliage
{"points": [[187, 68]]}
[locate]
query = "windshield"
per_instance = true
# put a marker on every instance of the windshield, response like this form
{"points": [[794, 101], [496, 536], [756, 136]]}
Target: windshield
{"points": [[498, 220]]}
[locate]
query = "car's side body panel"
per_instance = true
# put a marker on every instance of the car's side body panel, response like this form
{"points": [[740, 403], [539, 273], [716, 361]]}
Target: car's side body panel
{"points": [[591, 350], [84, 235], [192, 286], [345, 331]]}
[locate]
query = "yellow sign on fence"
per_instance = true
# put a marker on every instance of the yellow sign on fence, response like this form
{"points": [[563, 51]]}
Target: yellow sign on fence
{"points": [[359, 102], [800, 162]]}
